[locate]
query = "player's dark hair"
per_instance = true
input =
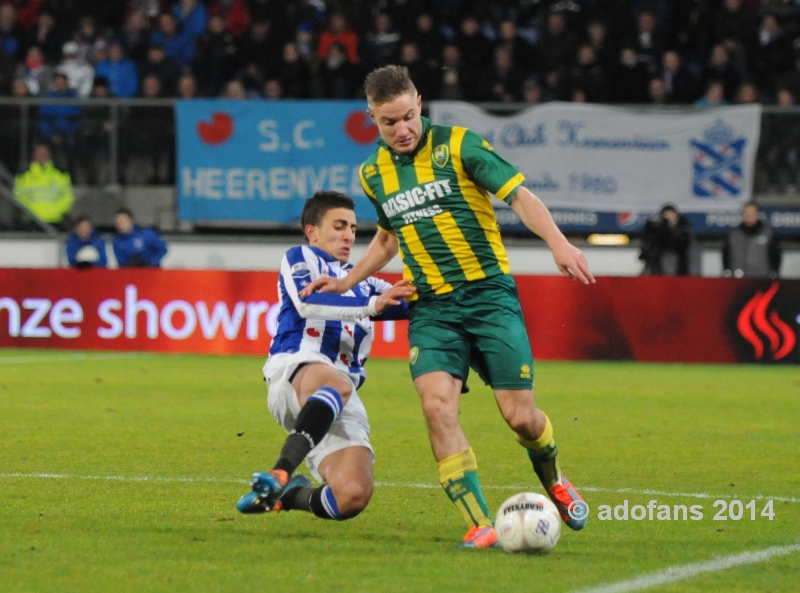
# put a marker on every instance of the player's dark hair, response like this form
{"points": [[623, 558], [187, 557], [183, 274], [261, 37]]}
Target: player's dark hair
{"points": [[125, 211], [384, 84], [317, 206], [83, 218]]}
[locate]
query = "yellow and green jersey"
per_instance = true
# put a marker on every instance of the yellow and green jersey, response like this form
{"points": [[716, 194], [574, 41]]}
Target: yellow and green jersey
{"points": [[436, 200]]}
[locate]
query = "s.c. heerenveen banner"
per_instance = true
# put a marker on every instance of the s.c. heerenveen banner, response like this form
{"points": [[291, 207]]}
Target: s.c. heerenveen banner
{"points": [[598, 158]]}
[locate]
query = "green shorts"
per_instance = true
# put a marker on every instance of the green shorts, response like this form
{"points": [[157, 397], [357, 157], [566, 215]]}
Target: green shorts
{"points": [[478, 325]]}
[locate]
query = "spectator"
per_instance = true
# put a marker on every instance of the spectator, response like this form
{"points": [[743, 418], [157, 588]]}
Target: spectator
{"points": [[522, 54], [747, 93], [403, 13], [47, 35], [44, 190], [589, 76], [532, 91], [338, 31], [135, 36], [678, 82], [293, 73], [451, 82], [770, 56], [721, 68], [505, 77], [96, 126], [421, 74], [187, 87], [148, 139], [558, 45], [734, 22], [752, 249], [429, 41], [165, 69], [605, 51], [475, 48], [235, 13], [135, 246], [11, 34], [58, 123], [79, 73], [381, 45], [11, 130], [191, 17], [234, 89], [656, 92], [37, 74], [252, 80], [273, 90], [8, 72], [791, 79], [631, 81], [667, 243], [119, 71], [714, 95], [648, 43], [27, 12], [178, 45], [261, 46], [216, 57], [86, 248], [781, 142], [338, 78], [88, 41]]}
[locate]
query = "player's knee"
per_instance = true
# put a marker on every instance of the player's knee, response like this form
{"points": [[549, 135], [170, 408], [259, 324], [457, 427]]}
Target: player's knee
{"points": [[352, 497], [438, 409], [342, 386], [523, 422]]}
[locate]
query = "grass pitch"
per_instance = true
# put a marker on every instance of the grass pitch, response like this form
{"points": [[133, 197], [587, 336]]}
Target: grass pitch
{"points": [[121, 473]]}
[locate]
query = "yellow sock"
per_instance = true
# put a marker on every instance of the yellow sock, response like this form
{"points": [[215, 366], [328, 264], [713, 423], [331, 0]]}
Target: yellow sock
{"points": [[543, 453], [458, 475]]}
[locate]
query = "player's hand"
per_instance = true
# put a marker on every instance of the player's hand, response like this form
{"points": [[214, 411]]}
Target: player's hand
{"points": [[324, 284], [572, 262], [394, 295]]}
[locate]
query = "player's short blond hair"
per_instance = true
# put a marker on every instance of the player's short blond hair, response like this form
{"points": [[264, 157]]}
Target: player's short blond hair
{"points": [[384, 84]]}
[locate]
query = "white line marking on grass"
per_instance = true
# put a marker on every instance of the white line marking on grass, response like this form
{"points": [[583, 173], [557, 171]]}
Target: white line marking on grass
{"points": [[420, 486], [69, 357], [674, 574]]}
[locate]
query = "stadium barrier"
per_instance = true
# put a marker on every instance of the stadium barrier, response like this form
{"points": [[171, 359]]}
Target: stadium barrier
{"points": [[659, 319]]}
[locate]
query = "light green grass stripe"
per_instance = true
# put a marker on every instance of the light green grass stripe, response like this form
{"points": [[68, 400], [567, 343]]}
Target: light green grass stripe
{"points": [[520, 487], [674, 574]]}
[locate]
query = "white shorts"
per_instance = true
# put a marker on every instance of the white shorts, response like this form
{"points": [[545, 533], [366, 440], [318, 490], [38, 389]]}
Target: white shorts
{"points": [[351, 427]]}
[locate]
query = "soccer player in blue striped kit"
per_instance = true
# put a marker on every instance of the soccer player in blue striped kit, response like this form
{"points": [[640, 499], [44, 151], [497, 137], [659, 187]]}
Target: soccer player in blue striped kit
{"points": [[315, 366]]}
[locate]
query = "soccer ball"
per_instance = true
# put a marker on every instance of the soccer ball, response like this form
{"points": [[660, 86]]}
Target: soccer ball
{"points": [[528, 523]]}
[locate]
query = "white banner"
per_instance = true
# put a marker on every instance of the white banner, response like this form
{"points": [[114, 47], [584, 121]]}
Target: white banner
{"points": [[593, 157]]}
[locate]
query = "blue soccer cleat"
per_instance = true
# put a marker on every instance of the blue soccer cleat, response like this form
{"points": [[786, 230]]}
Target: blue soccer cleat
{"points": [[268, 487]]}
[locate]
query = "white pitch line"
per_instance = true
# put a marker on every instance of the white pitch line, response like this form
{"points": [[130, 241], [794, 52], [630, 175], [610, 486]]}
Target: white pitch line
{"points": [[69, 357], [675, 574], [421, 486]]}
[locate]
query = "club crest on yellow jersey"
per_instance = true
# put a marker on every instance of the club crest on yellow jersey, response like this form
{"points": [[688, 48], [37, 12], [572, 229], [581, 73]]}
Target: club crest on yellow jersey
{"points": [[440, 156]]}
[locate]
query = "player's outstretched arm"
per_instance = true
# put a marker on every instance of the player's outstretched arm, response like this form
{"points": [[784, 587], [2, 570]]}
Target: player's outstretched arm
{"points": [[379, 253], [534, 214]]}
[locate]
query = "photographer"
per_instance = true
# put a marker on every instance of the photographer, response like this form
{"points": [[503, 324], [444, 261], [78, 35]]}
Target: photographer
{"points": [[666, 243], [86, 248], [135, 246]]}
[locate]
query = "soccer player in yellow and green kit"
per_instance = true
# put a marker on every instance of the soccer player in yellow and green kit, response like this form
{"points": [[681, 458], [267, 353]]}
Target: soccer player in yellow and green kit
{"points": [[430, 185]]}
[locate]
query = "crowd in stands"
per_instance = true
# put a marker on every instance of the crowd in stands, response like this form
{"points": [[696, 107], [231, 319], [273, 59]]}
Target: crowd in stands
{"points": [[621, 51]]}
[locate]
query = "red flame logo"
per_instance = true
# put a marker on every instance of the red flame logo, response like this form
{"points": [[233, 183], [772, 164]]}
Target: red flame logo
{"points": [[780, 336]]}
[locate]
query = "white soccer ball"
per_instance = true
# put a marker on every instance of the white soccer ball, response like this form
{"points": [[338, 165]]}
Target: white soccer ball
{"points": [[528, 523]]}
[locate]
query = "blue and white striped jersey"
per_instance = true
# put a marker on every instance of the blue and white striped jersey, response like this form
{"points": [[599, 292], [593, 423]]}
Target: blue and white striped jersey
{"points": [[337, 325]]}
